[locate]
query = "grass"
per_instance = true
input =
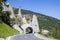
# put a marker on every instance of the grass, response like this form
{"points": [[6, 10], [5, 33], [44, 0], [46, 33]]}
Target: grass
{"points": [[6, 31]]}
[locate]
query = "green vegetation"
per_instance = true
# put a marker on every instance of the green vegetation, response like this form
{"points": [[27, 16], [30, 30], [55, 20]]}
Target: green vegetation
{"points": [[48, 23], [45, 22], [6, 30]]}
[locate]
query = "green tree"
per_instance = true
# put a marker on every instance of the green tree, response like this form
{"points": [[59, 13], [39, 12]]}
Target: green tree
{"points": [[1, 8], [4, 15]]}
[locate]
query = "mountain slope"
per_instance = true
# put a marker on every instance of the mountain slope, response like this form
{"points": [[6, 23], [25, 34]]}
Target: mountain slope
{"points": [[6, 30], [45, 22]]}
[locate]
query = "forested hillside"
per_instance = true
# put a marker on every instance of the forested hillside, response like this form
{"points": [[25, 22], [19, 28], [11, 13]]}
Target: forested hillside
{"points": [[45, 22]]}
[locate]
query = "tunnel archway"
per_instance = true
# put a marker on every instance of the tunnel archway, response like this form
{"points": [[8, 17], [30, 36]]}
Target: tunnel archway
{"points": [[29, 30]]}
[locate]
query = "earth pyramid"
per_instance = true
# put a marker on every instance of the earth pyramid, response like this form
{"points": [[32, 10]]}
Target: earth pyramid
{"points": [[24, 26]]}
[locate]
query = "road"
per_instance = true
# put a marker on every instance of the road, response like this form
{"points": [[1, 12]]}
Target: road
{"points": [[25, 37], [1, 38]]}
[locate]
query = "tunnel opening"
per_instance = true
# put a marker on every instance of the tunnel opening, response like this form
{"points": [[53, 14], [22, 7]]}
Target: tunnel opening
{"points": [[29, 30]]}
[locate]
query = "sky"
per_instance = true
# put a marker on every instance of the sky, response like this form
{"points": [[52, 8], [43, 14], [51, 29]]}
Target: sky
{"points": [[46, 7]]}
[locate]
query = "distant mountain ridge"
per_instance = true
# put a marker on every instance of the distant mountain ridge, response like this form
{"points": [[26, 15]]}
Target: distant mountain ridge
{"points": [[45, 22]]}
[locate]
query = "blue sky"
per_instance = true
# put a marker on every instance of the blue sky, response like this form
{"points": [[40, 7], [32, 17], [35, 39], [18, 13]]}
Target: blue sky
{"points": [[47, 7]]}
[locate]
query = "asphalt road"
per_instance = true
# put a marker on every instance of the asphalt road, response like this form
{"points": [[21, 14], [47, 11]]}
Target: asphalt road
{"points": [[1, 39], [25, 37]]}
